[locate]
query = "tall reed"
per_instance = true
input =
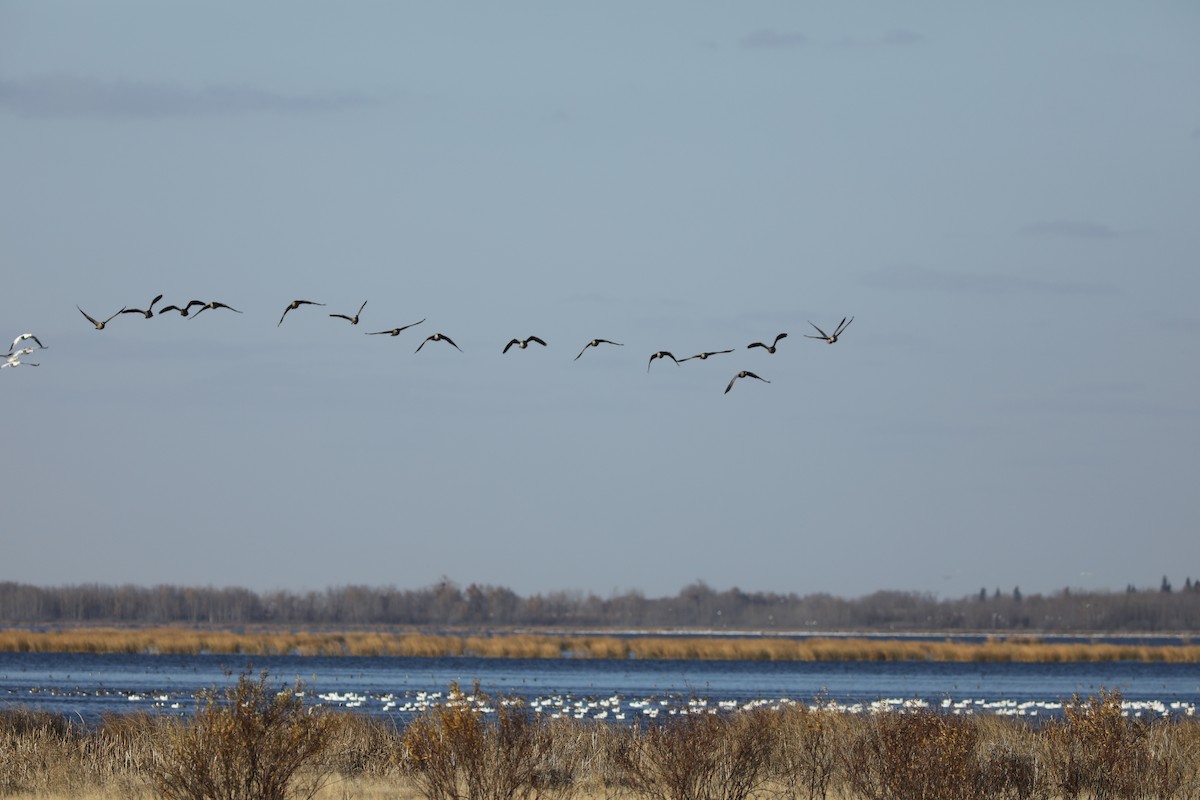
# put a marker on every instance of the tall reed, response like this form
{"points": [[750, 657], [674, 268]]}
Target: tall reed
{"points": [[550, 645]]}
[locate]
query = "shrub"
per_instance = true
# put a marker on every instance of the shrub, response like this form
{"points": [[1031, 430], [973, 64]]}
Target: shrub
{"points": [[914, 754], [807, 748], [248, 741], [699, 756], [456, 751]]}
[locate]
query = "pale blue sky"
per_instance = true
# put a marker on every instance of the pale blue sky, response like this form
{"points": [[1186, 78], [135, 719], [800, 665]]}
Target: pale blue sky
{"points": [[1005, 196]]}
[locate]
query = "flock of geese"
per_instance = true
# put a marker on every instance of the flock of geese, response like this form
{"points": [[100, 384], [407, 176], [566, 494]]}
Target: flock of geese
{"points": [[17, 351]]}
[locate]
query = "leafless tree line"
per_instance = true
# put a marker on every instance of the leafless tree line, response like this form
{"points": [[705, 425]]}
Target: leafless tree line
{"points": [[697, 606]]}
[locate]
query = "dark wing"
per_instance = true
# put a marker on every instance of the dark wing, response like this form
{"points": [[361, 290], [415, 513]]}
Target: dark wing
{"points": [[823, 334], [360, 308], [341, 316], [289, 308], [756, 344], [843, 326], [134, 311], [451, 341], [510, 344], [422, 344], [718, 352], [585, 347], [752, 375], [165, 309], [536, 339], [392, 332], [223, 305], [110, 319], [731, 381], [777, 338], [87, 316], [155, 300]]}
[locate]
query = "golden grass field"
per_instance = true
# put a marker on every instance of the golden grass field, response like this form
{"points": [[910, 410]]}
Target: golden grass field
{"points": [[267, 641]]}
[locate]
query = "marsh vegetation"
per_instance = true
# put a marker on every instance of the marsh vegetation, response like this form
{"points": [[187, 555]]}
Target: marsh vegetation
{"points": [[255, 739]]}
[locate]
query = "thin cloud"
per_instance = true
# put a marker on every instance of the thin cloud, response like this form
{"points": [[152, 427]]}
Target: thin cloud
{"points": [[75, 96], [773, 39], [1070, 229], [922, 279]]}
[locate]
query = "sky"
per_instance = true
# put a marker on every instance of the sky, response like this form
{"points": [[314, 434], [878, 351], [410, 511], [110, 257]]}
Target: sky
{"points": [[1004, 197]]}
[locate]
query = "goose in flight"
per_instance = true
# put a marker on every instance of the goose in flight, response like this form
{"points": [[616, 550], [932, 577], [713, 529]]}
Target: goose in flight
{"points": [[22, 338], [393, 331], [438, 337], [770, 348], [836, 333], [100, 325], [703, 356], [292, 306], [597, 343], [354, 319], [14, 359], [522, 343], [183, 310], [743, 374], [148, 312], [211, 304], [661, 354]]}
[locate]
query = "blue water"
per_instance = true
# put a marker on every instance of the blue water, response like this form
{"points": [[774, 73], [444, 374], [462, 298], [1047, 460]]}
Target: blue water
{"points": [[90, 685]]}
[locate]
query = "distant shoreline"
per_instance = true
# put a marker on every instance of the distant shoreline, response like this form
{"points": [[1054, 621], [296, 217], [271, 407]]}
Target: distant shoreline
{"points": [[551, 644]]}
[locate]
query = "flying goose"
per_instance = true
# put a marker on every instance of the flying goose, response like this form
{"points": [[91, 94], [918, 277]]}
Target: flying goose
{"points": [[183, 310], [836, 333], [354, 319], [393, 331], [597, 343], [522, 343], [100, 325], [703, 356], [661, 354], [148, 312], [743, 374], [770, 348], [14, 359], [292, 306], [438, 337], [211, 304], [24, 337]]}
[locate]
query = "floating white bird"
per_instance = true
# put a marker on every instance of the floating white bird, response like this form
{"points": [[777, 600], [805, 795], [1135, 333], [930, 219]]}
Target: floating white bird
{"points": [[597, 343], [438, 337], [836, 333], [743, 374], [522, 343]]}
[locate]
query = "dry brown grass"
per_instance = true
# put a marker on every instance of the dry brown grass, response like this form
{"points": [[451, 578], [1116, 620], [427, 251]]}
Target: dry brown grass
{"points": [[457, 751], [525, 645]]}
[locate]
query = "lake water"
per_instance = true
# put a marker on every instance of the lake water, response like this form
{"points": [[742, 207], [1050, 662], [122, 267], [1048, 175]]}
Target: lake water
{"points": [[89, 685]]}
